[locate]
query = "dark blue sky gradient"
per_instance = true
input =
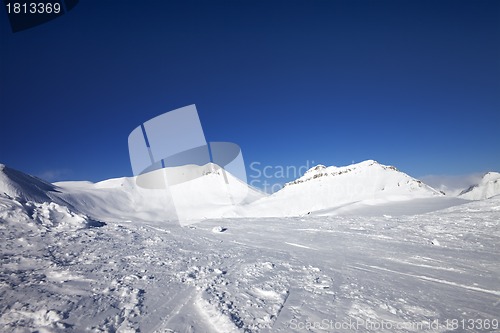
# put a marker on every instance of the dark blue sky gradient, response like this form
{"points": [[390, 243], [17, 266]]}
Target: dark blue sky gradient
{"points": [[415, 84]]}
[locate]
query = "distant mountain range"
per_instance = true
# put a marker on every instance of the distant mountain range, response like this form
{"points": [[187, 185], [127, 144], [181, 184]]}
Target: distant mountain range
{"points": [[217, 194]]}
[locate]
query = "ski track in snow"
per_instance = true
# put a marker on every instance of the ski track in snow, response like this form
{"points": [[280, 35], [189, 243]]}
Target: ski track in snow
{"points": [[427, 278], [298, 245], [60, 273]]}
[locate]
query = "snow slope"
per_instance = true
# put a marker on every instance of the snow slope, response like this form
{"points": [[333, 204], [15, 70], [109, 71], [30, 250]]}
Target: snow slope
{"points": [[488, 187], [62, 271], [421, 273], [208, 195], [324, 189], [17, 184]]}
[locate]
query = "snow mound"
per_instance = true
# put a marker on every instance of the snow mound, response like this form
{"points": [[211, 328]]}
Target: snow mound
{"points": [[323, 188], [488, 187], [218, 229], [52, 215], [43, 216]]}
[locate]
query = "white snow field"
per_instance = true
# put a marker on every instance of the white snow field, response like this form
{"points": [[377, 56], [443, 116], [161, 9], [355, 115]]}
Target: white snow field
{"points": [[79, 257]]}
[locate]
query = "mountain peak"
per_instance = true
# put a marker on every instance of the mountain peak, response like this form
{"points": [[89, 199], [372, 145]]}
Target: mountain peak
{"points": [[488, 187], [318, 167], [367, 163], [490, 176]]}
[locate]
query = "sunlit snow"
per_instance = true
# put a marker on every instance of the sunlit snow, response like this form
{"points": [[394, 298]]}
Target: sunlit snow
{"points": [[98, 257]]}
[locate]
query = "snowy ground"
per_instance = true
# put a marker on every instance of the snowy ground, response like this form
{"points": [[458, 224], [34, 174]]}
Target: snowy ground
{"points": [[61, 272]]}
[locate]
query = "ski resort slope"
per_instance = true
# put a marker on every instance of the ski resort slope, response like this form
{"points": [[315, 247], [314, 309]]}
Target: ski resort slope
{"points": [[61, 274], [107, 257]]}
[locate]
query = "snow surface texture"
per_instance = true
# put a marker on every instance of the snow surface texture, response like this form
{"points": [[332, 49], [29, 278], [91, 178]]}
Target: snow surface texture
{"points": [[62, 271]]}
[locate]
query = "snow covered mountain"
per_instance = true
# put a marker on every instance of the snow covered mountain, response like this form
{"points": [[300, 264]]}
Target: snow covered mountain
{"points": [[16, 184], [207, 196], [323, 188], [488, 187], [210, 193]]}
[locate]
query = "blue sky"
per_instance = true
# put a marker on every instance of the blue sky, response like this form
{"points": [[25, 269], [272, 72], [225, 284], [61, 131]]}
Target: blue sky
{"points": [[415, 84]]}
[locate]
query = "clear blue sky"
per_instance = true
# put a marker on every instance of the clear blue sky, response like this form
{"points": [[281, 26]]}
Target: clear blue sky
{"points": [[415, 84]]}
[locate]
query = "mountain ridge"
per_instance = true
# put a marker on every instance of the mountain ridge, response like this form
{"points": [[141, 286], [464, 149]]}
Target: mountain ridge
{"points": [[17, 184], [321, 189]]}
